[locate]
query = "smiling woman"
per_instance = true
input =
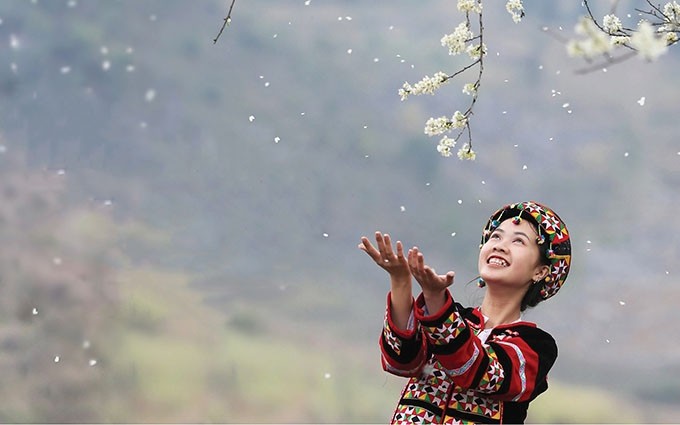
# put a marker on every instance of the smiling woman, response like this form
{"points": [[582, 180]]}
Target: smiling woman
{"points": [[482, 364]]}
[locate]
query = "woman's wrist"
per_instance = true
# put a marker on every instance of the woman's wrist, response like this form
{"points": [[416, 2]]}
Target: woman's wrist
{"points": [[434, 300]]}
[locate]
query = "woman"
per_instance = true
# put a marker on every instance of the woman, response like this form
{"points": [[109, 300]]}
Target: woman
{"points": [[483, 364]]}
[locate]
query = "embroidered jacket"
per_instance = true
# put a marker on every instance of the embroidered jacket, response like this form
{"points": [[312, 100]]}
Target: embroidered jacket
{"points": [[457, 378]]}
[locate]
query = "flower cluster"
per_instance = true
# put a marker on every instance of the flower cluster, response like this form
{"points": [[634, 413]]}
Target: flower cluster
{"points": [[456, 41], [470, 6], [436, 126], [654, 33], [427, 85], [516, 9], [647, 43], [462, 40], [466, 152], [593, 42]]}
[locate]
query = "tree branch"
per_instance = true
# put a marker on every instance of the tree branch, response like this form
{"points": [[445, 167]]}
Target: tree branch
{"points": [[226, 22]]}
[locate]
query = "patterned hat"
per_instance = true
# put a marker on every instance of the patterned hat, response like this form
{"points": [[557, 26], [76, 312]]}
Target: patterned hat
{"points": [[551, 230]]}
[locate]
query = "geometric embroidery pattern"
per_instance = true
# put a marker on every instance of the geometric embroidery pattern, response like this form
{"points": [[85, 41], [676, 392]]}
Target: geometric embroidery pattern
{"points": [[493, 376], [469, 401], [447, 331], [392, 340], [414, 415], [431, 387]]}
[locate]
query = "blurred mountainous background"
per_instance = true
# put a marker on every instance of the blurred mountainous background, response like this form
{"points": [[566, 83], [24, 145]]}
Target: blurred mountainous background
{"points": [[179, 219]]}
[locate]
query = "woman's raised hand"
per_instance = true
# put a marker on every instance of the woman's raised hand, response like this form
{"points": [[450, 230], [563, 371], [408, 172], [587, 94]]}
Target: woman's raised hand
{"points": [[394, 263], [401, 298], [432, 284]]}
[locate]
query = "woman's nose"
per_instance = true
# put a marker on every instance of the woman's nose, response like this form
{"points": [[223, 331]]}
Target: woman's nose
{"points": [[499, 247]]}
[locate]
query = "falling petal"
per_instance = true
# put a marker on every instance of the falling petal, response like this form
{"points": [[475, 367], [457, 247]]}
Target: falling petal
{"points": [[150, 95]]}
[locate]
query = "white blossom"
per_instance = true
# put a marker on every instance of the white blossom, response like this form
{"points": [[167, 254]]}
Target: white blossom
{"points": [[405, 90], [612, 23], [670, 37], [470, 88], [457, 39], [470, 6], [619, 40], [429, 84], [459, 120], [671, 11], [646, 42], [445, 146], [594, 42], [435, 126], [516, 9], [466, 153], [476, 51]]}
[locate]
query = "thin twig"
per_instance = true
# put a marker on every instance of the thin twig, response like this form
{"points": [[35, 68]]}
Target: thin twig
{"points": [[465, 68], [610, 61], [592, 18], [226, 21], [478, 83]]}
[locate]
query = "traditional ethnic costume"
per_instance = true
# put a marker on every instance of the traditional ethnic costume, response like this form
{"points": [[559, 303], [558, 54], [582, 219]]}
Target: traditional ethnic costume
{"points": [[461, 372]]}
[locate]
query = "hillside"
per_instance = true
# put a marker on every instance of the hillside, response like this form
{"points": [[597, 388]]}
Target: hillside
{"points": [[217, 185]]}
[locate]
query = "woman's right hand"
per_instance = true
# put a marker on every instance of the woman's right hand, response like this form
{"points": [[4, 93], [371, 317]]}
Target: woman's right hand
{"points": [[395, 264]]}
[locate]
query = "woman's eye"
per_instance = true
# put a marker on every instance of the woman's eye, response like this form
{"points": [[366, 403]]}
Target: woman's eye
{"points": [[520, 240], [495, 236]]}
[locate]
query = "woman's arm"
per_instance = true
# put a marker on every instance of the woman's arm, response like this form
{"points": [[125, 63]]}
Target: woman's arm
{"points": [[403, 347], [396, 265]]}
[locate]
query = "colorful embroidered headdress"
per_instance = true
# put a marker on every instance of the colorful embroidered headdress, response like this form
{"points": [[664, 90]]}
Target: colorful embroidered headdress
{"points": [[551, 231]]}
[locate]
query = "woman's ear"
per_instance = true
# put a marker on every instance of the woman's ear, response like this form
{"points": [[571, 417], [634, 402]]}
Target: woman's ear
{"points": [[541, 272]]}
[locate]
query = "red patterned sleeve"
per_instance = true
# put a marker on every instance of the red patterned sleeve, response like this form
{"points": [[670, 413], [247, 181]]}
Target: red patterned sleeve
{"points": [[403, 352], [511, 366]]}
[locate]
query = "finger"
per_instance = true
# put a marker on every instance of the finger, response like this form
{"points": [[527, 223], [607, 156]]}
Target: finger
{"points": [[448, 278], [380, 242], [400, 251], [388, 245], [421, 262], [367, 247], [412, 258], [418, 263]]}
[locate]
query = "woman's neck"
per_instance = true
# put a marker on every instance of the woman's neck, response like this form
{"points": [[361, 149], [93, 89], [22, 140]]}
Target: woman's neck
{"points": [[500, 310]]}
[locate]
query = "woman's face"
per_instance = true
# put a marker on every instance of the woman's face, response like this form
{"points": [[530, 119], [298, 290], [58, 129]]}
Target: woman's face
{"points": [[511, 255]]}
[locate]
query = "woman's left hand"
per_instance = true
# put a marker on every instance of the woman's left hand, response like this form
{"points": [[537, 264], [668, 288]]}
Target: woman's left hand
{"points": [[433, 285]]}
